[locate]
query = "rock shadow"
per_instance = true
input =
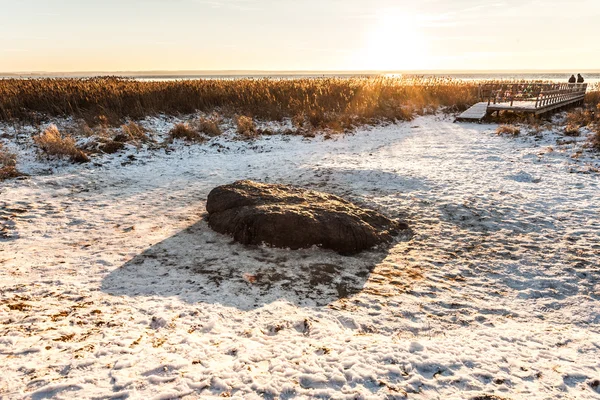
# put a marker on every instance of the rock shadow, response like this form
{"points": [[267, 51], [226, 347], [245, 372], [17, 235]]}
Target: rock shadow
{"points": [[487, 217], [366, 182], [200, 265]]}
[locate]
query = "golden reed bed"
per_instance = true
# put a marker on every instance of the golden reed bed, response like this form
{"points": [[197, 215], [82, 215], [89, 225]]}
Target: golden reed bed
{"points": [[321, 100], [335, 103]]}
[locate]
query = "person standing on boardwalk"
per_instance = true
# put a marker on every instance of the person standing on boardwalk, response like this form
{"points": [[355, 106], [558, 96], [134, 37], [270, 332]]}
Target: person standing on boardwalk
{"points": [[572, 79], [579, 78]]}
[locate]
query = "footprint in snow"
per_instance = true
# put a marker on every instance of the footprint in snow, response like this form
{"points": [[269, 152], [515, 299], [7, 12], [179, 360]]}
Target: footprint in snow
{"points": [[523, 177]]}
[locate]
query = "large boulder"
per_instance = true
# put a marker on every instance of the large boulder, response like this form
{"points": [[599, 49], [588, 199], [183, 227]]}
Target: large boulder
{"points": [[291, 217]]}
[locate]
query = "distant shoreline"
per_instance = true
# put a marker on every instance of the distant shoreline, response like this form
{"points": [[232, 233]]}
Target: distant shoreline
{"points": [[294, 72]]}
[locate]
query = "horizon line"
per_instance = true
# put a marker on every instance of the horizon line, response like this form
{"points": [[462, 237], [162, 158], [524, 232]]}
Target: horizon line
{"points": [[292, 72]]}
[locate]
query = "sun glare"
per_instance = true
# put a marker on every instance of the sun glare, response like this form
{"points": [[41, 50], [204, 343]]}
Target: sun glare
{"points": [[394, 42]]}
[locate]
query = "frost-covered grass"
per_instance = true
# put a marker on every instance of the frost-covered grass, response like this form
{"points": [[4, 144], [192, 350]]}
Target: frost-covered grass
{"points": [[112, 285]]}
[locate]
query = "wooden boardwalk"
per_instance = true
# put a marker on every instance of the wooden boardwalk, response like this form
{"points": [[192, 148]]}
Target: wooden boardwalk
{"points": [[534, 98], [477, 112]]}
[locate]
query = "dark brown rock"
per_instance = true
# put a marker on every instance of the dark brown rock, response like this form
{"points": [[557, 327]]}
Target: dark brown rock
{"points": [[292, 217]]}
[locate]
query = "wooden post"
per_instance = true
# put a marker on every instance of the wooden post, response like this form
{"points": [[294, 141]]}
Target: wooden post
{"points": [[512, 95]]}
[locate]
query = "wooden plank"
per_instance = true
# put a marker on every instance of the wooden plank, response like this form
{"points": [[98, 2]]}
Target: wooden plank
{"points": [[475, 112]]}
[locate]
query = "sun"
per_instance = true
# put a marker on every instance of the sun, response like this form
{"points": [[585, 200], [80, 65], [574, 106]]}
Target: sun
{"points": [[394, 41]]}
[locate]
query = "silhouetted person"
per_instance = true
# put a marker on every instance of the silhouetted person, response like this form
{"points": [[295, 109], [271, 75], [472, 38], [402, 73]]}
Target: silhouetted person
{"points": [[579, 78], [572, 79]]}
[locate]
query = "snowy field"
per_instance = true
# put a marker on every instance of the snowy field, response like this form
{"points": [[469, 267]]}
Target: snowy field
{"points": [[112, 285]]}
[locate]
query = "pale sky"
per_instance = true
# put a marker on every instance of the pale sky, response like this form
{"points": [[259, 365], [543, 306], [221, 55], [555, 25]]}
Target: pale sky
{"points": [[141, 35]]}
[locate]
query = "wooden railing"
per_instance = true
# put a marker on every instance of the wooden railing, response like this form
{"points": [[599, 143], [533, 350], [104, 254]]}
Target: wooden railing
{"points": [[540, 94]]}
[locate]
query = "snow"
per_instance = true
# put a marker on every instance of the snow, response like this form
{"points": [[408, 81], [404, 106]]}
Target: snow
{"points": [[113, 286]]}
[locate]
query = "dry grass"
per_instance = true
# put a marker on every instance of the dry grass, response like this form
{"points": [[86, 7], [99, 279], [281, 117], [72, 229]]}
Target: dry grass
{"points": [[209, 126], [245, 126], [8, 162], [348, 101], [580, 117], [571, 130], [592, 97], [186, 132], [106, 139], [593, 101], [320, 102], [7, 159], [111, 146], [80, 128], [9, 173], [328, 104], [132, 133], [54, 144], [300, 121], [594, 141], [508, 130]]}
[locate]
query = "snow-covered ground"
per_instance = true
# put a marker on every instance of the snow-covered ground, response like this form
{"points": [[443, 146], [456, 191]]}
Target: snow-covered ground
{"points": [[112, 286]]}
